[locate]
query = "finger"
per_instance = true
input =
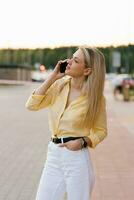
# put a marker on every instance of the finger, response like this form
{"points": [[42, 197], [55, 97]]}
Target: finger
{"points": [[58, 64], [65, 60]]}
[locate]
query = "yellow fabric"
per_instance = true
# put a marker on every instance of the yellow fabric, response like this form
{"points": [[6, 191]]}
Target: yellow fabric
{"points": [[66, 122]]}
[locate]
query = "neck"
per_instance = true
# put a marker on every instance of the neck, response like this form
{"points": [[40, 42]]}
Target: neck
{"points": [[77, 83]]}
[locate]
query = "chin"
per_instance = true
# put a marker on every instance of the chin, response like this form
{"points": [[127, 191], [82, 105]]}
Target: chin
{"points": [[67, 73]]}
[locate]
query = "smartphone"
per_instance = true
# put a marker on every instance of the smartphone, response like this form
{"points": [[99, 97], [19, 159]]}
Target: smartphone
{"points": [[63, 66]]}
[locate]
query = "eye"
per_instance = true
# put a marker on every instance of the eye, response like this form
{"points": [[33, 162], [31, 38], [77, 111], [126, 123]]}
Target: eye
{"points": [[75, 60], [70, 57]]}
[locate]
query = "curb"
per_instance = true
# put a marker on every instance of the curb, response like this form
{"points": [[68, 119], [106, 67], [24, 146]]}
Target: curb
{"points": [[14, 82]]}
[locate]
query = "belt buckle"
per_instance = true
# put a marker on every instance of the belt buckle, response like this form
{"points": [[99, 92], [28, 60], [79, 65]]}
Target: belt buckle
{"points": [[62, 141], [54, 140]]}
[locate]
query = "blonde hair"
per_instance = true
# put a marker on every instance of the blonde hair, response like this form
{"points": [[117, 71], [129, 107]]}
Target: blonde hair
{"points": [[94, 83]]}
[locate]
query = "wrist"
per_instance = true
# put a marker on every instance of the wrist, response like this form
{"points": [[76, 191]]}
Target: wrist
{"points": [[52, 77], [89, 142], [84, 143]]}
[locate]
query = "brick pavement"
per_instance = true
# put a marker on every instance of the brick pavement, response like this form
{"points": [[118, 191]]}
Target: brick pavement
{"points": [[113, 159], [23, 144]]}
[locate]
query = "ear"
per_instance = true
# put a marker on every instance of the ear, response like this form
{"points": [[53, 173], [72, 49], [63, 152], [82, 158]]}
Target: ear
{"points": [[87, 71]]}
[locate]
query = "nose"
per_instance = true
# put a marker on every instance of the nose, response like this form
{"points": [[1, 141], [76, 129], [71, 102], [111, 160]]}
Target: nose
{"points": [[69, 61]]}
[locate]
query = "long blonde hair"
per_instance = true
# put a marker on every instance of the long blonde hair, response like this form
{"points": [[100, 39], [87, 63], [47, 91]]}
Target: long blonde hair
{"points": [[94, 83]]}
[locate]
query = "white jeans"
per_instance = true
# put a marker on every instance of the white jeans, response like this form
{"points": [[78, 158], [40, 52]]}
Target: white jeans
{"points": [[66, 171]]}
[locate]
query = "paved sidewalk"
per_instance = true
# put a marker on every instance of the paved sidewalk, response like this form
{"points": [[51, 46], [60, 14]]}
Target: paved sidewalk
{"points": [[113, 159], [23, 144]]}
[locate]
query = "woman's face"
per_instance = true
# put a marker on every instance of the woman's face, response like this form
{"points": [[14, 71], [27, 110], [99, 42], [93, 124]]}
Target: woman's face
{"points": [[76, 65]]}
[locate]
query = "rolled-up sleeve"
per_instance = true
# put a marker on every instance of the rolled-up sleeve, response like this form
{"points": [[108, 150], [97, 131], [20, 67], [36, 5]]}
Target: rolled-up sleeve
{"points": [[99, 132], [36, 102]]}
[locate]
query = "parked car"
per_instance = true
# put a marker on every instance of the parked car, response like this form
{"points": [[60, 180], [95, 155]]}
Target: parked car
{"points": [[128, 88], [110, 76], [117, 83], [38, 76]]}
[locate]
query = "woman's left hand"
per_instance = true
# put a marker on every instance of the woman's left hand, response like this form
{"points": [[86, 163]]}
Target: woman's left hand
{"points": [[73, 145]]}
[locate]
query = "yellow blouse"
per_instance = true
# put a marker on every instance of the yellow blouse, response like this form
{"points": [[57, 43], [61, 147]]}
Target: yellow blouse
{"points": [[66, 121]]}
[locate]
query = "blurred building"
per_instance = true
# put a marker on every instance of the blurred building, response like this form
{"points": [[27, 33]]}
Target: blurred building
{"points": [[15, 72]]}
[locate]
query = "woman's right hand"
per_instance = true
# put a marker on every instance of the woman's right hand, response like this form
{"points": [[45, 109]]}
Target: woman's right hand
{"points": [[56, 72]]}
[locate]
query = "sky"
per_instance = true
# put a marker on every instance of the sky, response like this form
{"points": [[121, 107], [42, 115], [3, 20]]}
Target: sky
{"points": [[54, 23]]}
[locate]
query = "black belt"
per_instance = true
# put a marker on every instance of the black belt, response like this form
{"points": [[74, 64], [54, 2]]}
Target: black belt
{"points": [[63, 140]]}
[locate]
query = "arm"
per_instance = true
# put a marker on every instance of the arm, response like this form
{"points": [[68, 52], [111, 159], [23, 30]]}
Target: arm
{"points": [[44, 87], [99, 132], [43, 96]]}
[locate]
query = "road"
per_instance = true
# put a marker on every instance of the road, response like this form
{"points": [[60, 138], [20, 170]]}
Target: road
{"points": [[123, 110], [24, 136]]}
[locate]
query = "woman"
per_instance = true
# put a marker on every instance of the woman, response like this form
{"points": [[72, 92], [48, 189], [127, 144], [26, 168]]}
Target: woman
{"points": [[77, 120]]}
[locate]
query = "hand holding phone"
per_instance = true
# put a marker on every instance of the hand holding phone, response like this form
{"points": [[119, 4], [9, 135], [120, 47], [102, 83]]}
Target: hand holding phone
{"points": [[63, 66], [59, 70]]}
